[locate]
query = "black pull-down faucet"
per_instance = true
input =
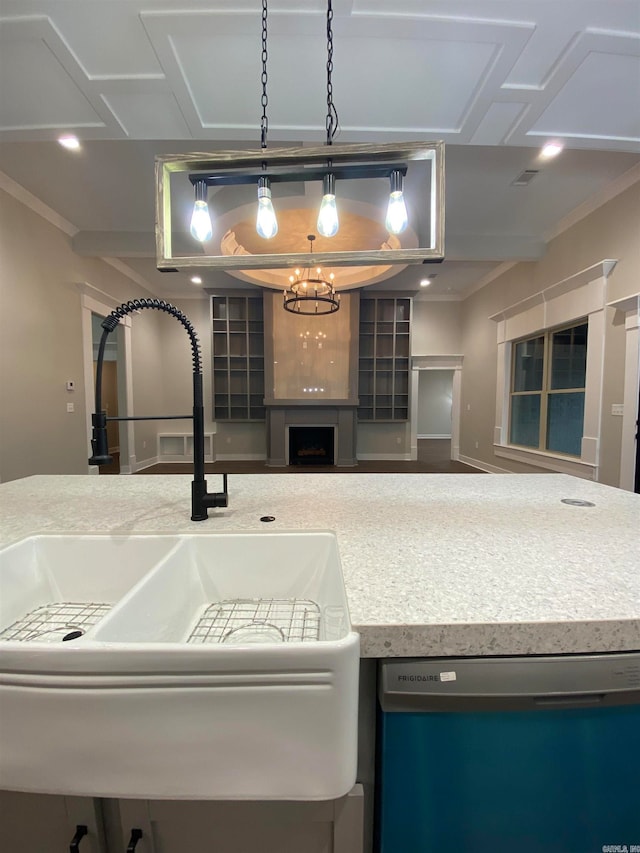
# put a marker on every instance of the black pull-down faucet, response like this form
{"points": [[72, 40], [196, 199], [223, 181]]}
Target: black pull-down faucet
{"points": [[201, 500]]}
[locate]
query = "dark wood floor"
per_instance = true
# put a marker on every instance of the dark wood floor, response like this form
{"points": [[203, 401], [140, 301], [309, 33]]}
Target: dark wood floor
{"points": [[433, 458]]}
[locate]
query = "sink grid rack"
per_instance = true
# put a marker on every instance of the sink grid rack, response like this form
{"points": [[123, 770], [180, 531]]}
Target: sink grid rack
{"points": [[50, 623], [258, 620]]}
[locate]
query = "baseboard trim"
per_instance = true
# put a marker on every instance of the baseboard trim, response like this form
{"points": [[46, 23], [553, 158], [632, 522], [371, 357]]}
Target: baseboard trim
{"points": [[384, 457], [434, 435], [483, 466], [145, 463], [240, 457]]}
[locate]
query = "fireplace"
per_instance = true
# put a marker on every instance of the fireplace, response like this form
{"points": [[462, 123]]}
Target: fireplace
{"points": [[337, 422], [311, 445]]}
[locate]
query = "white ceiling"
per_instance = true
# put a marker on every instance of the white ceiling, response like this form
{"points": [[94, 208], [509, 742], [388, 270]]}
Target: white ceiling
{"points": [[494, 79]]}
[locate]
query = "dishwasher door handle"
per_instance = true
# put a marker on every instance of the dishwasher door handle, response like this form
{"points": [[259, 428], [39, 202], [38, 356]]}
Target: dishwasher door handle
{"points": [[581, 700]]}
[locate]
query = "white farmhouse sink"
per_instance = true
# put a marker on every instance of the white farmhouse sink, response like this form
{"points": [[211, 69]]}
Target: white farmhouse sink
{"points": [[224, 667]]}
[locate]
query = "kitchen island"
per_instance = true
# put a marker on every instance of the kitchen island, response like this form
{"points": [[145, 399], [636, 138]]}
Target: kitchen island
{"points": [[434, 565]]}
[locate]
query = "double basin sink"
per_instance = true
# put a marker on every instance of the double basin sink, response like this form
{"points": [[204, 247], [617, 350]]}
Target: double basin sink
{"points": [[214, 666]]}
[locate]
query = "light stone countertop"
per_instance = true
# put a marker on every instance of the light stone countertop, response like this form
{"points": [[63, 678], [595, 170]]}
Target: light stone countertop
{"points": [[434, 564]]}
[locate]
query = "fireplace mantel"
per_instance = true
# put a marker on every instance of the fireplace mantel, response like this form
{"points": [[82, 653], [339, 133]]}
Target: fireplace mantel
{"points": [[339, 414]]}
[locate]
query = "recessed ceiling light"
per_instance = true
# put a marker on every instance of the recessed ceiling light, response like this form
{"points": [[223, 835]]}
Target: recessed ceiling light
{"points": [[551, 149], [425, 282], [70, 142], [196, 279]]}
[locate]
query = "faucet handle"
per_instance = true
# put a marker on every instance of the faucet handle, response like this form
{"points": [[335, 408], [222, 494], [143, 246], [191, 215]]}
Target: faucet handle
{"points": [[221, 498]]}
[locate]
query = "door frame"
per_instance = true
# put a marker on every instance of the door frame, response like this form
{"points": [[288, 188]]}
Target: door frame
{"points": [[631, 397], [94, 301], [437, 362]]}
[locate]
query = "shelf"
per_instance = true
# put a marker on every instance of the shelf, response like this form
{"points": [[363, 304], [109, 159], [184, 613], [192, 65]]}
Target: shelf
{"points": [[178, 447], [238, 358], [385, 346]]}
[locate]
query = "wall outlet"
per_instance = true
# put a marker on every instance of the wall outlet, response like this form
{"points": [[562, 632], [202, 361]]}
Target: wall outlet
{"points": [[617, 409], [71, 407], [398, 440], [477, 445]]}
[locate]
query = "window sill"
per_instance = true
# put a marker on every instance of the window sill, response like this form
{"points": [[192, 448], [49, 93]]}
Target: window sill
{"points": [[550, 461]]}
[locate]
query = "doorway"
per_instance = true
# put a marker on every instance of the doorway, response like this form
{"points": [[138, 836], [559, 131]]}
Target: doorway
{"points": [[109, 389], [435, 401], [116, 379], [636, 484], [436, 382]]}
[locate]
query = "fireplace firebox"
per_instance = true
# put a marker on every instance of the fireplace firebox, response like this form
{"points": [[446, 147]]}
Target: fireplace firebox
{"points": [[311, 445]]}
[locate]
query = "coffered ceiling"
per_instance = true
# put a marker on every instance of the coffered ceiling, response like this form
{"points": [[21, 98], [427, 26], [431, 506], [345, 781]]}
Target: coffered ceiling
{"points": [[494, 79]]}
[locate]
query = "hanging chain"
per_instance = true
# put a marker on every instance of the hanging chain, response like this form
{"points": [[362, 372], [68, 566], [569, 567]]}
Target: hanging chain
{"points": [[264, 123], [332, 114]]}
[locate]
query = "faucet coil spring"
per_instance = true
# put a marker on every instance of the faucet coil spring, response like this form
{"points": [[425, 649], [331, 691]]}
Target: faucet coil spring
{"points": [[110, 322]]}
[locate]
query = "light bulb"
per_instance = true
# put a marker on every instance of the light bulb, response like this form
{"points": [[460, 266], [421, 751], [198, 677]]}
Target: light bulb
{"points": [[328, 214], [266, 222], [397, 218], [201, 222]]}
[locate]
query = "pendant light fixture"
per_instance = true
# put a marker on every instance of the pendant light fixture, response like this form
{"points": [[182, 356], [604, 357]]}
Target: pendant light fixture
{"points": [[309, 292], [328, 223], [328, 165], [266, 221]]}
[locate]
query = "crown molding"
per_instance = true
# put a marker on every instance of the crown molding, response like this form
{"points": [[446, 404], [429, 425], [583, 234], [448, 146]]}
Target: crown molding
{"points": [[496, 272], [17, 191], [130, 274], [619, 185]]}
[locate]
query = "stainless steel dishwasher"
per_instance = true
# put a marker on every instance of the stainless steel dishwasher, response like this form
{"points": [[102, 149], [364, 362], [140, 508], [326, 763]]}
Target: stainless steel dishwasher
{"points": [[498, 755]]}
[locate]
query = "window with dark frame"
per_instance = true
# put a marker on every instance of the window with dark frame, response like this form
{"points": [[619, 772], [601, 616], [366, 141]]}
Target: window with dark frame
{"points": [[548, 379]]}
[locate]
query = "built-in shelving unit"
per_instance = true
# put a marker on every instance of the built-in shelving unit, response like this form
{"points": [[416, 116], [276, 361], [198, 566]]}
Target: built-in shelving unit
{"points": [[383, 375], [238, 358], [178, 447]]}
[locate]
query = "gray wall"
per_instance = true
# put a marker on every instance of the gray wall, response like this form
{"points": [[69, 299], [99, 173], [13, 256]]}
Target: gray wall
{"points": [[384, 440], [41, 344], [436, 328], [435, 390]]}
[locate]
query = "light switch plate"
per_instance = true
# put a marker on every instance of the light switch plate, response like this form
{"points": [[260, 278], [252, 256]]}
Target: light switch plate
{"points": [[617, 409]]}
